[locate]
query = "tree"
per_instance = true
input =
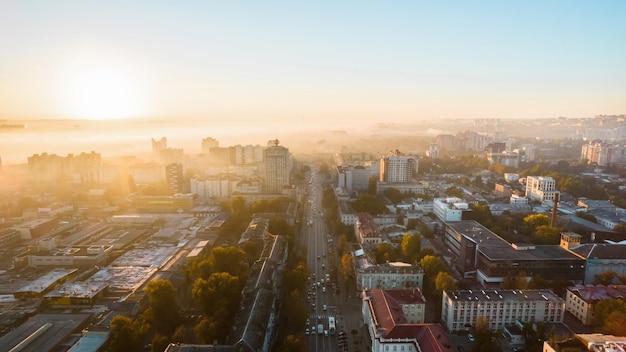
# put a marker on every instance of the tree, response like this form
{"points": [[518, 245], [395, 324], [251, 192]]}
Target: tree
{"points": [[605, 307], [369, 204], [228, 259], [537, 282], [385, 253], [432, 266], [547, 235], [426, 251], [615, 324], [605, 278], [394, 195], [163, 312], [126, 334], [411, 245], [535, 220], [342, 244], [372, 186], [219, 290], [292, 343], [295, 280], [444, 282], [454, 192], [559, 285], [347, 267]]}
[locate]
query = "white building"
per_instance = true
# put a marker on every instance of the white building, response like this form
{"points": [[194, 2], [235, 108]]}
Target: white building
{"points": [[540, 188], [393, 275], [460, 309], [449, 209]]}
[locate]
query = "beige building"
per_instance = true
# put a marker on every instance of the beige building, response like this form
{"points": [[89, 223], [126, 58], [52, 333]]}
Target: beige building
{"points": [[580, 300], [394, 275], [460, 309]]}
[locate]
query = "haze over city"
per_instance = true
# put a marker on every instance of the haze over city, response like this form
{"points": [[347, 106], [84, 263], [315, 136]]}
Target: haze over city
{"points": [[336, 176]]}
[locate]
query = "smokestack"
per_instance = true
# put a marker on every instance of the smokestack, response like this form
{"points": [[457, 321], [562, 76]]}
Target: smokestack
{"points": [[554, 209]]}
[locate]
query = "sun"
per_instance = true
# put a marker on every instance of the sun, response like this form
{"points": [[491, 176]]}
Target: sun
{"points": [[101, 93]]}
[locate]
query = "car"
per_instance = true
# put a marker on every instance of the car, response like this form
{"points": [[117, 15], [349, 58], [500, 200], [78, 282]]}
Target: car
{"points": [[308, 322], [325, 333], [323, 289], [306, 331], [470, 337], [325, 307]]}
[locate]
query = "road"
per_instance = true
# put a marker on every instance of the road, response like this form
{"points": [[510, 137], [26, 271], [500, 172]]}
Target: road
{"points": [[321, 296]]}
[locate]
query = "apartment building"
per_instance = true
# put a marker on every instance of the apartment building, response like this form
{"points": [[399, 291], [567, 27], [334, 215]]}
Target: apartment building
{"points": [[540, 188], [461, 308]]}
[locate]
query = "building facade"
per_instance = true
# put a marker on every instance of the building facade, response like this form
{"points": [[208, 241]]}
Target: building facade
{"points": [[461, 309], [540, 188], [394, 320], [580, 300], [389, 276], [277, 168], [397, 167]]}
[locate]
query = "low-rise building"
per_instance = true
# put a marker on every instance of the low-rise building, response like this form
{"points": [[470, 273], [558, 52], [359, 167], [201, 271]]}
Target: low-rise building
{"points": [[393, 275], [580, 300], [461, 308], [394, 320], [449, 209], [366, 230]]}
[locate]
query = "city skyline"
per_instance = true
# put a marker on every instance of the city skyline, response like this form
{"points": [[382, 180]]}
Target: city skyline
{"points": [[290, 63]]}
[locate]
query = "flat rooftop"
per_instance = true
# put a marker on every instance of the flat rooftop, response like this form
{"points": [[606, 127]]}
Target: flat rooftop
{"points": [[503, 295], [44, 331], [46, 280]]}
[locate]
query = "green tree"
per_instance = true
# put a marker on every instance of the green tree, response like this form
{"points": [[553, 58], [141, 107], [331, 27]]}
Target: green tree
{"points": [[295, 280], [547, 235], [372, 186], [347, 267], [163, 312], [385, 253], [126, 334], [292, 343], [537, 282], [369, 204], [535, 220], [342, 244], [394, 195], [559, 286], [432, 266], [615, 324], [444, 282], [219, 290], [454, 192], [605, 278], [426, 251], [605, 307], [411, 245], [228, 260]]}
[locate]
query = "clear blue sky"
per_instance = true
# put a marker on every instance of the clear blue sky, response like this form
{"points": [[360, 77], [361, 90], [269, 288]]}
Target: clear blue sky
{"points": [[296, 60]]}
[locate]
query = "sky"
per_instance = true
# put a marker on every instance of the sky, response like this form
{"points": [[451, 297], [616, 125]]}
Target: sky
{"points": [[311, 61]]}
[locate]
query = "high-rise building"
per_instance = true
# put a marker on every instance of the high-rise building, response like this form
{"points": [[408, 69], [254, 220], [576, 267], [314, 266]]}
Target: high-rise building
{"points": [[80, 169], [208, 143], [397, 167], [541, 188], [603, 154], [277, 168], [174, 177], [158, 145]]}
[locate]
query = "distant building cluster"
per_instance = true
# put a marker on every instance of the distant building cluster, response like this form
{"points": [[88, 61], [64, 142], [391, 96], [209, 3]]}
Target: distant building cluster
{"points": [[603, 154]]}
